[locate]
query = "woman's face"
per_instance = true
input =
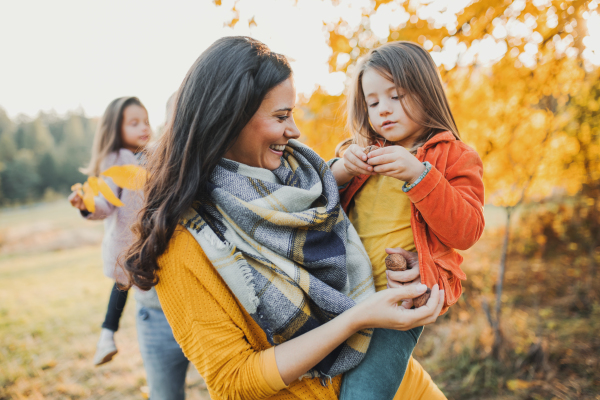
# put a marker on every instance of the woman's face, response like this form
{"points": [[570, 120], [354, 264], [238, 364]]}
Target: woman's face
{"points": [[262, 140]]}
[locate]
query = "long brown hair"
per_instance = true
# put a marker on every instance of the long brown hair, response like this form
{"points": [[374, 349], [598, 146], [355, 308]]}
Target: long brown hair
{"points": [[411, 68], [218, 97], [108, 137]]}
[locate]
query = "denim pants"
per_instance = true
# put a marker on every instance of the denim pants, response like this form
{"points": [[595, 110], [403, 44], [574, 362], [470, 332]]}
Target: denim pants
{"points": [[380, 373], [164, 362]]}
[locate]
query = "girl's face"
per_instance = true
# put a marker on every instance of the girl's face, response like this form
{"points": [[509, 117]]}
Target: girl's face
{"points": [[135, 131], [264, 137], [386, 114]]}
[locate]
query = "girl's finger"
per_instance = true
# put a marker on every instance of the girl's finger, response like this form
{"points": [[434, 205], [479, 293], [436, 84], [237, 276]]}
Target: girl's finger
{"points": [[382, 159], [404, 276], [383, 168], [358, 152], [358, 165], [381, 150]]}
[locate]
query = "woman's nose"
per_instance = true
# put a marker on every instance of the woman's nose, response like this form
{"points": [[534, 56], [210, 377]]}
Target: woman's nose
{"points": [[292, 131]]}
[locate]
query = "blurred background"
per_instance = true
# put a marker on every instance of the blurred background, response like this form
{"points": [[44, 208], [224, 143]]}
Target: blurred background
{"points": [[523, 82]]}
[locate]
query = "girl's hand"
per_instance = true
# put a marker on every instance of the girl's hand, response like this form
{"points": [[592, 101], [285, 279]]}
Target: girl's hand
{"points": [[382, 310], [397, 162], [411, 276], [355, 161], [77, 201]]}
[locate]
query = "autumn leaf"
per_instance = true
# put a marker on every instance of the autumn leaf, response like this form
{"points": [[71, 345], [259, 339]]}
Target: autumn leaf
{"points": [[131, 177], [78, 187], [88, 197], [108, 194], [93, 181]]}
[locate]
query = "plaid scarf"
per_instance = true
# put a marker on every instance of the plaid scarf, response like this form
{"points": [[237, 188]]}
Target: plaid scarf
{"points": [[283, 244]]}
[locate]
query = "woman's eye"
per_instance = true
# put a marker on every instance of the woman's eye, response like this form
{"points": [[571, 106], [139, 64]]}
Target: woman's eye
{"points": [[373, 104], [282, 117]]}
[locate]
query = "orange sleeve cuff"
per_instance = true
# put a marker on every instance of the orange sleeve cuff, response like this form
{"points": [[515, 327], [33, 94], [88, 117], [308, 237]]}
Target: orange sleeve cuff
{"points": [[269, 370]]}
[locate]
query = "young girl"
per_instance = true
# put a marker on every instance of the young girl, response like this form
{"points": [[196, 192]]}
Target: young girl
{"points": [[410, 183], [122, 132]]}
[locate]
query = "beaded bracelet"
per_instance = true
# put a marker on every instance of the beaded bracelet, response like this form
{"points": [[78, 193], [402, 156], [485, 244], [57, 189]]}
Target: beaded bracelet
{"points": [[406, 187]]}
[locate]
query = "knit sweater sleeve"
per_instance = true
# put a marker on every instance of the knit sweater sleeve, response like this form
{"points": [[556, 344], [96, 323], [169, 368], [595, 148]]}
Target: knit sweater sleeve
{"points": [[208, 335]]}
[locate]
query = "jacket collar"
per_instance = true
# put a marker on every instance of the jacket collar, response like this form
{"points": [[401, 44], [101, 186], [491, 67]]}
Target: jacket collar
{"points": [[440, 137]]}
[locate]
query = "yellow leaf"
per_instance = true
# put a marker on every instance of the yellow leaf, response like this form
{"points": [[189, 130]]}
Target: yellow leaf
{"points": [[93, 181], [108, 194], [78, 188], [517, 384], [131, 177], [88, 197]]}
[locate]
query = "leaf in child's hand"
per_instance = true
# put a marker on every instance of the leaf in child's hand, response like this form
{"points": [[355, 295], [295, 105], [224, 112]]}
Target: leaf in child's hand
{"points": [[108, 194], [131, 177], [93, 181], [88, 197], [78, 188]]}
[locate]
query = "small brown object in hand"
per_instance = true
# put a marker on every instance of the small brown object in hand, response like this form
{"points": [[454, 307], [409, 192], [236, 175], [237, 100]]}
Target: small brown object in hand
{"points": [[368, 149], [396, 262]]}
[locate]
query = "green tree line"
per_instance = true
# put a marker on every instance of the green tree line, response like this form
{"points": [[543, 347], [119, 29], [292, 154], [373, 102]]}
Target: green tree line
{"points": [[41, 156]]}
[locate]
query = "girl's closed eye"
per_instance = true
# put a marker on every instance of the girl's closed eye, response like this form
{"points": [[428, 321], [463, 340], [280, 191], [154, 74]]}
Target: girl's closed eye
{"points": [[374, 104]]}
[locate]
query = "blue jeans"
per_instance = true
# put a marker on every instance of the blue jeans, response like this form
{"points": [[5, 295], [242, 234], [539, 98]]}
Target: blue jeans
{"points": [[380, 373], [165, 364]]}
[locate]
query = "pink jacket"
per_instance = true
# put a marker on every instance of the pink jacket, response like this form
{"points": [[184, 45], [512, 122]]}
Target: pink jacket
{"points": [[117, 220]]}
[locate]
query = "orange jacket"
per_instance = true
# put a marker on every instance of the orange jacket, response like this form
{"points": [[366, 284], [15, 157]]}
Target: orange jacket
{"points": [[446, 210]]}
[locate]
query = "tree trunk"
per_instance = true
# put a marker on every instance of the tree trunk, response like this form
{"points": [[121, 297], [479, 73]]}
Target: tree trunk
{"points": [[499, 284]]}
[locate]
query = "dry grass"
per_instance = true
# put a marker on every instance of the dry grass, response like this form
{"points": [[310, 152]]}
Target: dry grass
{"points": [[53, 297], [51, 306]]}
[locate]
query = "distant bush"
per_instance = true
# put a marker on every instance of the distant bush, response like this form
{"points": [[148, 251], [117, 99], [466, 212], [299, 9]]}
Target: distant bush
{"points": [[42, 155]]}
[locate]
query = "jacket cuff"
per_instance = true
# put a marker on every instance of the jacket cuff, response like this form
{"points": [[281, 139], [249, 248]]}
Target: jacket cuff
{"points": [[425, 186]]}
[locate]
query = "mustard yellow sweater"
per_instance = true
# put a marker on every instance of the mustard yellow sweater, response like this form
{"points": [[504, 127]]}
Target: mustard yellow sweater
{"points": [[224, 343]]}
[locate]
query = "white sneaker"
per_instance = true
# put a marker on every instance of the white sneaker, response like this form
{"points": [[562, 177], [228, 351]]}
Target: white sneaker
{"points": [[105, 351]]}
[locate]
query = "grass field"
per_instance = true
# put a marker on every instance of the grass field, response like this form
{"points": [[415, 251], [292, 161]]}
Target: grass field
{"points": [[53, 297]]}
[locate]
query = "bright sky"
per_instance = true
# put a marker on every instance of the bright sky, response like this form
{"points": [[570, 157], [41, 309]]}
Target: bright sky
{"points": [[64, 54]]}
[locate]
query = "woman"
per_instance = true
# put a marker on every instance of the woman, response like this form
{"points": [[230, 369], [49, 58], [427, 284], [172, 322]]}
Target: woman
{"points": [[259, 272]]}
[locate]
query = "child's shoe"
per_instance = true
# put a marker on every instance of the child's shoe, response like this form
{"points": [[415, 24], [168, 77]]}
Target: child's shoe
{"points": [[106, 348]]}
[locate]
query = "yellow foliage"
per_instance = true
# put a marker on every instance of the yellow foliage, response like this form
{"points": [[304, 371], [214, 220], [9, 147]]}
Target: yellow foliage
{"points": [[131, 177], [88, 197]]}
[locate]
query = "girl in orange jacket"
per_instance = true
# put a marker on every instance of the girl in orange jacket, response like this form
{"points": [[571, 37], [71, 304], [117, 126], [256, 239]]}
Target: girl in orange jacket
{"points": [[407, 181]]}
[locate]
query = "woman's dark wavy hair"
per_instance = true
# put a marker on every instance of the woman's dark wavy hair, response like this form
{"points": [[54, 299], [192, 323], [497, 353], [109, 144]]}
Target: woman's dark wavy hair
{"points": [[220, 94]]}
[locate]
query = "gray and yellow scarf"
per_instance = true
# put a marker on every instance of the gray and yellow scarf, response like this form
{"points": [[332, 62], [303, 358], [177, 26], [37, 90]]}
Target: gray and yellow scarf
{"points": [[286, 249]]}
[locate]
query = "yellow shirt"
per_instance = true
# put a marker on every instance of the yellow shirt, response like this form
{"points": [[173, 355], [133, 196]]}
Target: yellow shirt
{"points": [[227, 346], [380, 212]]}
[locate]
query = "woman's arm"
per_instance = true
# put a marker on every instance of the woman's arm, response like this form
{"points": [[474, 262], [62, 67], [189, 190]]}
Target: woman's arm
{"points": [[295, 357], [222, 341]]}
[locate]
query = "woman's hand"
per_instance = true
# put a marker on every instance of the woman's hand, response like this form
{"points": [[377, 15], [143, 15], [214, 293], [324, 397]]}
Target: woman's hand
{"points": [[77, 201], [382, 310], [411, 276], [397, 162]]}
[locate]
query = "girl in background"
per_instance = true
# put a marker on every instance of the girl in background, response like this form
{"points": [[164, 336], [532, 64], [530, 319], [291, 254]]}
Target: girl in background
{"points": [[122, 134], [410, 183]]}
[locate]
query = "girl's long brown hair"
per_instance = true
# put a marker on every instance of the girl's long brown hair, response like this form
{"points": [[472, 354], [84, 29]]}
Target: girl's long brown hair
{"points": [[108, 137], [221, 92], [412, 69]]}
